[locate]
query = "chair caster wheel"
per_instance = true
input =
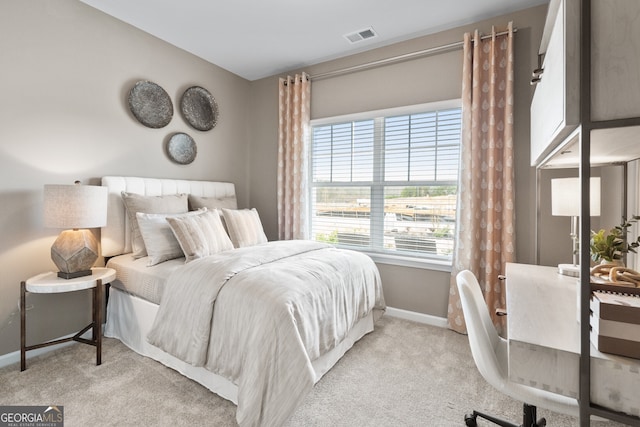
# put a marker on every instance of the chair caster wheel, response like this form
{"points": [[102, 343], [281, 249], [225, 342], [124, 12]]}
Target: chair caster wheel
{"points": [[470, 420]]}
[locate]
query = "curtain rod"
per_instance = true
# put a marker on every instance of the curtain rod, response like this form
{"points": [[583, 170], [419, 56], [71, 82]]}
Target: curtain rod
{"points": [[400, 58], [292, 80]]}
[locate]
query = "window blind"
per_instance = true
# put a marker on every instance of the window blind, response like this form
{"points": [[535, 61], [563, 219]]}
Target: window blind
{"points": [[387, 183]]}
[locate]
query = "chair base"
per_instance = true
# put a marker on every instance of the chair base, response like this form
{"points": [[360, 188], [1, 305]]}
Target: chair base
{"points": [[528, 418]]}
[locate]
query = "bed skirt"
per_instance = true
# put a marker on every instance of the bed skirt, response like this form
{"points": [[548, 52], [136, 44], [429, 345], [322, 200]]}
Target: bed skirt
{"points": [[130, 318]]}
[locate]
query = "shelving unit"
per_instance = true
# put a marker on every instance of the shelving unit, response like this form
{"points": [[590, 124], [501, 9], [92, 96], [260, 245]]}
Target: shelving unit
{"points": [[607, 99]]}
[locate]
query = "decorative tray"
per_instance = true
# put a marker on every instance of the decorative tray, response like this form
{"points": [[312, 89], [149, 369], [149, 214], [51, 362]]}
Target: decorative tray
{"points": [[181, 148], [199, 108], [150, 104]]}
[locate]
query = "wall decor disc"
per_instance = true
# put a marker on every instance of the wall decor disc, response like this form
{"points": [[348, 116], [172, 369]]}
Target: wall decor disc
{"points": [[199, 108], [150, 104], [181, 148]]}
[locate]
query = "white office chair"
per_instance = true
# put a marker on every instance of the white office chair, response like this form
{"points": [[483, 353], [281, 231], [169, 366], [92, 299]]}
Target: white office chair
{"points": [[489, 352]]}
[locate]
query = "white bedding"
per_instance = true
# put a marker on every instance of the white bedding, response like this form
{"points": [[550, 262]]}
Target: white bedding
{"points": [[130, 318], [134, 276], [259, 316]]}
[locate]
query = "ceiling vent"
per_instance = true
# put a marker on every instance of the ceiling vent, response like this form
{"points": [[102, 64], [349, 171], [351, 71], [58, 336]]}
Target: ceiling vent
{"points": [[361, 35]]}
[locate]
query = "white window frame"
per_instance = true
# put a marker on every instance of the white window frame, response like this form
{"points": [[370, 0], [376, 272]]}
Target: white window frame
{"points": [[387, 258]]}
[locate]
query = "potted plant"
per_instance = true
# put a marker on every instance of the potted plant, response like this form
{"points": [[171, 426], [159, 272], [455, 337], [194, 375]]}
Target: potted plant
{"points": [[611, 246]]}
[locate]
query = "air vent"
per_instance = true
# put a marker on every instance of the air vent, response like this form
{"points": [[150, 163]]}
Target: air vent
{"points": [[361, 35]]}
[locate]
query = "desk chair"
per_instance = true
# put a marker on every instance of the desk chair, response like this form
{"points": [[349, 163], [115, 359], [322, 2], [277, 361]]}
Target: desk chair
{"points": [[489, 352]]}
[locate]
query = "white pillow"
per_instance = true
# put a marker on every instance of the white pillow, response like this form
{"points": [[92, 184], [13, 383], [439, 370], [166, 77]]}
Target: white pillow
{"points": [[160, 242], [244, 227], [200, 235]]}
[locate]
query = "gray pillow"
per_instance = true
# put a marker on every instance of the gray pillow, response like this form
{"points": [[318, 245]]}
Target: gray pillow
{"points": [[167, 204], [198, 202]]}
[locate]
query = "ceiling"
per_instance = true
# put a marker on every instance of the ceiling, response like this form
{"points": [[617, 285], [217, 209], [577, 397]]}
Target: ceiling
{"points": [[260, 38]]}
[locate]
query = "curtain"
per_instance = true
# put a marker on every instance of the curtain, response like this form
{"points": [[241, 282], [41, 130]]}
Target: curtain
{"points": [[293, 140], [485, 239]]}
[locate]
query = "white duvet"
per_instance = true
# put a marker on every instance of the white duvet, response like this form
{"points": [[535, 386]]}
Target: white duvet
{"points": [[278, 307]]}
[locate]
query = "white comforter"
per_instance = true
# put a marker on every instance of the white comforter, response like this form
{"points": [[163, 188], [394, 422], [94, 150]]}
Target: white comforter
{"points": [[278, 306]]}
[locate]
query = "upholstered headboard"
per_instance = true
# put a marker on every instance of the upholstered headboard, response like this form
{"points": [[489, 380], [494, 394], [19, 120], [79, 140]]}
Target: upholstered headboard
{"points": [[115, 236]]}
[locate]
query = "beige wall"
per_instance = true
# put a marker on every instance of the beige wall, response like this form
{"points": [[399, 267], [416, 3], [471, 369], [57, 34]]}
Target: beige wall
{"points": [[65, 74], [428, 79]]}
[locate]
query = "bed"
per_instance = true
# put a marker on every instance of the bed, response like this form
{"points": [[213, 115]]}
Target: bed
{"points": [[256, 322]]}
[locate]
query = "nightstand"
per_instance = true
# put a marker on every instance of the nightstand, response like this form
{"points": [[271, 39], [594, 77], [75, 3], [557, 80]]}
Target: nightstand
{"points": [[50, 283]]}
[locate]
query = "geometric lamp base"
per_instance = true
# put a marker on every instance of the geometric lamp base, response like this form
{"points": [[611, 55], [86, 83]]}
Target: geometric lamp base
{"points": [[74, 252]]}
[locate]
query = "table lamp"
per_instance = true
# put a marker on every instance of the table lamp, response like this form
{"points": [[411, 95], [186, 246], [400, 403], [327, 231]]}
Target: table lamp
{"points": [[565, 201], [76, 208]]}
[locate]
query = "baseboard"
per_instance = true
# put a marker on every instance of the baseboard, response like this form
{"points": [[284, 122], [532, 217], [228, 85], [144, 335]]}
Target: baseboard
{"points": [[418, 317], [11, 358]]}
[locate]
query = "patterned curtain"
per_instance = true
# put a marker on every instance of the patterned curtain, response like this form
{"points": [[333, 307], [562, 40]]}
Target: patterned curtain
{"points": [[485, 239], [293, 137]]}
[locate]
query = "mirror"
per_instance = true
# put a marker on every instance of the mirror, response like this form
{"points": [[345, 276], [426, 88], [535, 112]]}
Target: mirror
{"points": [[554, 244]]}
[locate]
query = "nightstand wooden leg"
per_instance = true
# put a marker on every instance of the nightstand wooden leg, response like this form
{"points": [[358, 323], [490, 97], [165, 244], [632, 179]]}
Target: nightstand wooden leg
{"points": [[23, 332], [97, 319]]}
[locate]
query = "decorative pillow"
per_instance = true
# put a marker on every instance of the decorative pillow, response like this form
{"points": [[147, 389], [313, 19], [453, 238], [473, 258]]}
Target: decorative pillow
{"points": [[200, 235], [160, 242], [168, 204], [197, 202], [244, 227]]}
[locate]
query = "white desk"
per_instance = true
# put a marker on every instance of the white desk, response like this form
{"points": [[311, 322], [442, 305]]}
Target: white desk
{"points": [[544, 341]]}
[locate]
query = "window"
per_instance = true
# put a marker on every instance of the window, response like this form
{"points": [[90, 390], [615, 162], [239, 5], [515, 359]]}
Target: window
{"points": [[386, 181]]}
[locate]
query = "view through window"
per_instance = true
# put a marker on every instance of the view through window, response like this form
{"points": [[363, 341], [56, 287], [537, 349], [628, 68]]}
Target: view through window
{"points": [[387, 183]]}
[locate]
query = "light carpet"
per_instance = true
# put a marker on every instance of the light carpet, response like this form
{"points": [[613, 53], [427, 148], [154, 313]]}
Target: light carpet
{"points": [[402, 374]]}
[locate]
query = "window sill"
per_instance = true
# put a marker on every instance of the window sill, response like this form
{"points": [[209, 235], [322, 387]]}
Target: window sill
{"points": [[413, 262]]}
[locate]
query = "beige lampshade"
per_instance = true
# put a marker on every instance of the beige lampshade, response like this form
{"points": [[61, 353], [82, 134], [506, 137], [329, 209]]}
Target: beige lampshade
{"points": [[75, 207], [565, 196]]}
